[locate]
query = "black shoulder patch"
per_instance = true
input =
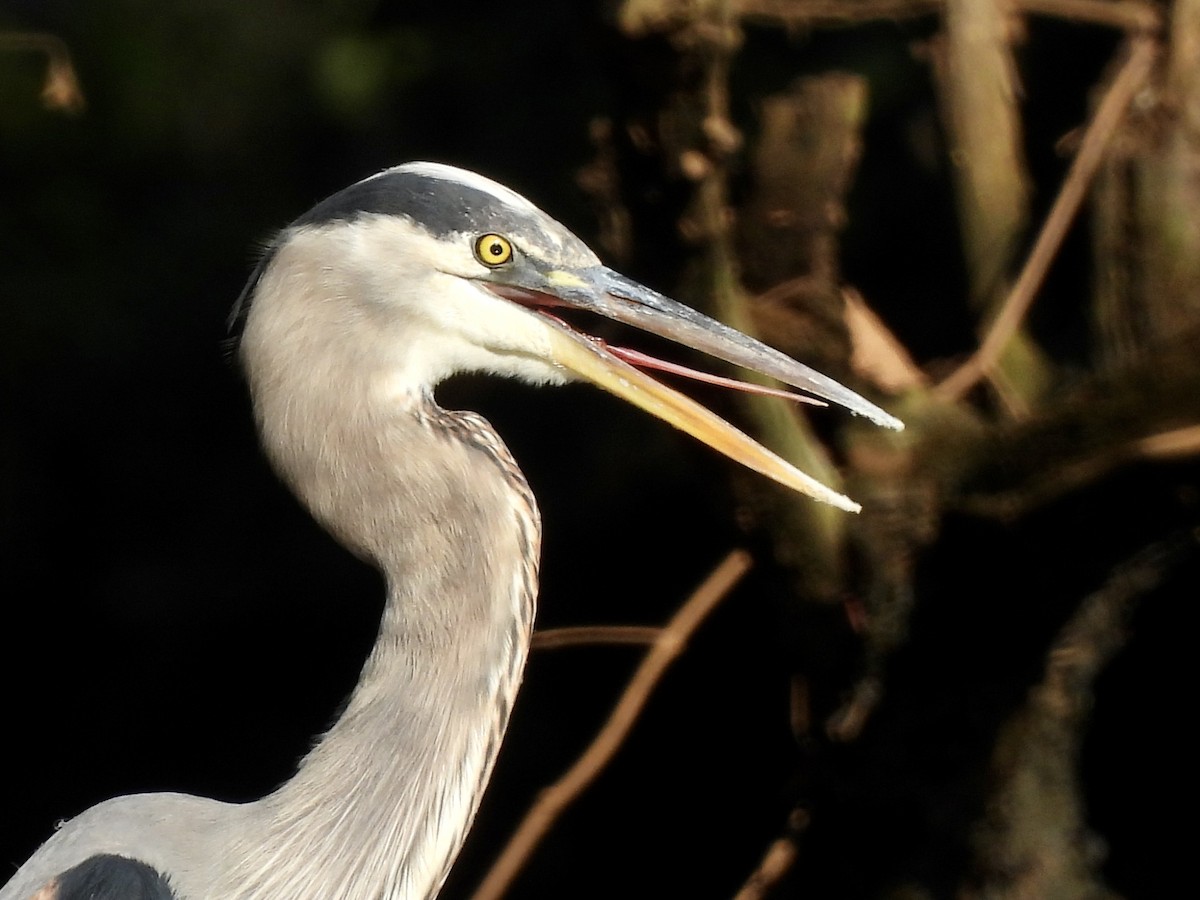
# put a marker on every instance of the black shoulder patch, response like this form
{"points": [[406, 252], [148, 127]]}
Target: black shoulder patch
{"points": [[108, 877]]}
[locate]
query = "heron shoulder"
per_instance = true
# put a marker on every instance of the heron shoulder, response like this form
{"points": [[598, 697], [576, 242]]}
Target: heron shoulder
{"points": [[177, 835]]}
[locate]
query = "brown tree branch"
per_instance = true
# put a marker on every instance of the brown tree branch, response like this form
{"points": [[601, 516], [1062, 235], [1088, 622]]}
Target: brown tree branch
{"points": [[780, 857], [1132, 75], [556, 638], [552, 801]]}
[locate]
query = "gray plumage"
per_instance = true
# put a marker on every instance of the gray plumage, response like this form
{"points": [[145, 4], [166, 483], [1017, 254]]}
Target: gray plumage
{"points": [[359, 309]]}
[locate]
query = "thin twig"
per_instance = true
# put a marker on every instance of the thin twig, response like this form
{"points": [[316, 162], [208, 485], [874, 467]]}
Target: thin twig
{"points": [[779, 858], [1108, 117], [554, 799], [554, 638]]}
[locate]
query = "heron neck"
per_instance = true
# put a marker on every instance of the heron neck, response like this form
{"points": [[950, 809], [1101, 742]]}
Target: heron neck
{"points": [[382, 804]]}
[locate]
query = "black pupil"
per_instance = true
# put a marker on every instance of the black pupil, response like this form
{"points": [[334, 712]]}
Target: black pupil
{"points": [[496, 248]]}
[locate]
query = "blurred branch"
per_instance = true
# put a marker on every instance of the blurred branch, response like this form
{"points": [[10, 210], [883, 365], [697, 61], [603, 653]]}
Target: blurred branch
{"points": [[977, 87], [806, 129], [1146, 210], [639, 17], [847, 723], [782, 212], [776, 862], [877, 356], [1035, 841], [1170, 444], [787, 239], [1146, 410], [600, 180], [552, 801], [60, 91], [1140, 56], [1073, 475], [976, 79], [1128, 15]]}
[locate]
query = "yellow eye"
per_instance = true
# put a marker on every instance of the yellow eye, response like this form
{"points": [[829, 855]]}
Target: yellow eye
{"points": [[493, 250]]}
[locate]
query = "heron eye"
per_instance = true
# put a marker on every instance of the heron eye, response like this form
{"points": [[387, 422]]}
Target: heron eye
{"points": [[493, 250]]}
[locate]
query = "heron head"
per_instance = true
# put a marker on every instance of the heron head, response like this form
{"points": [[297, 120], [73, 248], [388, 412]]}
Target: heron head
{"points": [[429, 270]]}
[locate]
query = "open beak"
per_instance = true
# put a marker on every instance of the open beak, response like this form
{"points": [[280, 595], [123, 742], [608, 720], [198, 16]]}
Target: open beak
{"points": [[608, 293]]}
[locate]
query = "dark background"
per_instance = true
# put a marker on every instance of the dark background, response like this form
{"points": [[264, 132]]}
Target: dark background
{"points": [[172, 620]]}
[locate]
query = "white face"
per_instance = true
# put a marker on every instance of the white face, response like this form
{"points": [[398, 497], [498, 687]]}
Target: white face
{"points": [[441, 283], [388, 272], [382, 299]]}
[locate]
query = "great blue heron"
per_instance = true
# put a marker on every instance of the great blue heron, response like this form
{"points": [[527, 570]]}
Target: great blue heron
{"points": [[356, 312]]}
